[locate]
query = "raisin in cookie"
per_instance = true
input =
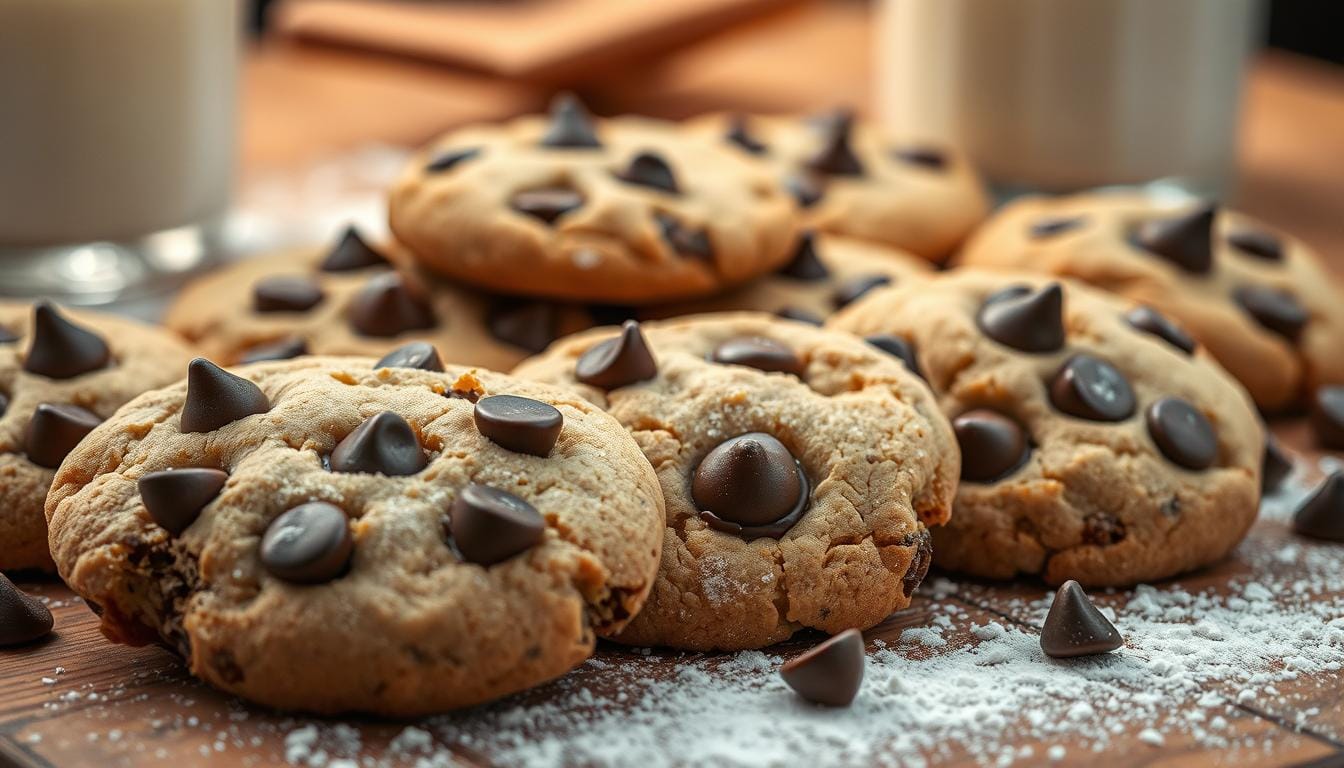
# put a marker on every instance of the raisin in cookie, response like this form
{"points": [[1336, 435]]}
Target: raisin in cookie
{"points": [[61, 373], [1260, 301], [800, 467], [623, 210], [851, 180], [330, 534], [1098, 444]]}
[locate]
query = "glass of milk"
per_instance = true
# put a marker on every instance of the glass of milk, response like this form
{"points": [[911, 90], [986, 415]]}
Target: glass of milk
{"points": [[117, 142]]}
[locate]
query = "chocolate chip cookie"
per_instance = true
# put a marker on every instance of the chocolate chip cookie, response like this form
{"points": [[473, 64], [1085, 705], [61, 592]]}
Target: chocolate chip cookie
{"points": [[1259, 300], [61, 373], [623, 210], [338, 534], [1098, 443], [801, 470], [851, 180]]}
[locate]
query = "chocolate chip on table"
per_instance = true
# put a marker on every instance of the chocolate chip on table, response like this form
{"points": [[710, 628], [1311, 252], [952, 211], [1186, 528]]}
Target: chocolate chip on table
{"points": [[489, 525], [520, 424], [993, 446], [1257, 243], [926, 157], [174, 498], [54, 430], [61, 349], [1074, 626], [529, 325], [1321, 515], [1182, 433], [384, 444], [308, 544], [805, 264], [1054, 225], [216, 397], [830, 673], [1149, 320], [287, 348], [685, 241], [739, 134], [649, 169], [352, 253], [750, 485], [899, 348], [619, 361], [286, 293], [570, 127], [1029, 321], [835, 156], [1273, 309], [447, 159], [1327, 416], [806, 189], [23, 618], [547, 203], [760, 353], [1090, 388], [855, 288], [1185, 240], [1275, 467], [798, 314], [420, 355], [388, 305]]}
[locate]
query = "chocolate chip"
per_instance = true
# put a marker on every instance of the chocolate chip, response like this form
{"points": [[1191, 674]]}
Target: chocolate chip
{"points": [[547, 204], [520, 424], [617, 362], [23, 618], [1321, 516], [1273, 309], [919, 562], [285, 293], [927, 157], [530, 325], [419, 355], [385, 445], [1055, 225], [760, 353], [1327, 416], [570, 126], [1027, 321], [54, 430], [284, 349], [1185, 240], [1103, 530], [351, 253], [805, 264], [1074, 626], [449, 158], [897, 347], [835, 157], [387, 305], [739, 134], [807, 190], [489, 525], [649, 169], [855, 288], [1091, 388], [1275, 467], [7, 336], [1149, 320], [750, 483], [309, 544], [1182, 433], [830, 673], [216, 397], [174, 498], [799, 314], [693, 243], [1257, 243], [60, 349], [993, 446]]}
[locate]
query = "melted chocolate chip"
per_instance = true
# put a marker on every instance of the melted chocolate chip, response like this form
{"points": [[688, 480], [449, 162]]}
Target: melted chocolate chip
{"points": [[1273, 309], [899, 348], [1275, 467], [1074, 626], [216, 397], [856, 288], [1327, 416], [23, 618], [547, 204], [836, 157], [919, 562], [649, 169], [1321, 516], [1027, 321], [760, 353], [692, 243], [520, 424], [61, 349], [1090, 388], [617, 362], [1185, 240], [309, 544], [174, 498], [830, 673], [352, 253], [530, 325], [1149, 320], [420, 355], [1182, 433], [489, 525], [1257, 243], [805, 264], [385, 444], [926, 157], [450, 158], [284, 349], [54, 430], [571, 127], [286, 293], [806, 189], [387, 305], [750, 485], [739, 134], [993, 446]]}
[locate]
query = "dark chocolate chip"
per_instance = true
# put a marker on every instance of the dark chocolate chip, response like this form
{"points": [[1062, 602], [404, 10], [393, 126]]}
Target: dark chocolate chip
{"points": [[571, 127], [760, 353], [449, 158], [619, 361], [855, 288], [1257, 243], [309, 544], [216, 397], [7, 336], [174, 498], [388, 305], [1275, 467], [60, 349], [284, 349], [805, 264], [899, 348], [693, 243], [1149, 320], [1090, 388], [927, 157], [385, 444], [547, 204], [488, 525], [1074, 626], [420, 355], [649, 169], [1185, 240], [23, 618], [1327, 416], [54, 430], [835, 157], [530, 325], [993, 446], [1102, 530], [1027, 321], [1182, 433], [750, 481], [352, 253], [830, 673], [919, 562], [520, 424], [739, 134], [806, 189], [285, 293], [1273, 309], [800, 315], [1321, 516], [1055, 225]]}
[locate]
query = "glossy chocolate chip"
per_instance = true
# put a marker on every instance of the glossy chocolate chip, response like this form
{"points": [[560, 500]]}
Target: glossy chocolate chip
{"points": [[835, 156], [1091, 388], [1327, 416], [547, 204], [749, 482], [309, 544], [800, 315], [530, 325], [1029, 321], [54, 430], [216, 397], [284, 349], [899, 348], [1321, 515], [520, 424], [450, 158], [174, 498], [649, 169], [830, 673], [285, 293], [1273, 309], [1257, 243], [387, 306], [23, 618], [692, 243], [1182, 433], [61, 349], [385, 444], [855, 288], [1275, 467], [352, 253], [1074, 626], [489, 525], [807, 190], [925, 157], [1054, 225], [993, 446], [805, 264], [739, 134], [1185, 240], [1149, 320], [571, 127], [760, 353], [619, 361], [420, 355]]}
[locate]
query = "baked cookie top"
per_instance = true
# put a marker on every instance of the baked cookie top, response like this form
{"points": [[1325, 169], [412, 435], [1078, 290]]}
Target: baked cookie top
{"points": [[1261, 301], [622, 210], [1098, 443], [852, 180], [800, 469], [467, 532], [61, 372]]}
